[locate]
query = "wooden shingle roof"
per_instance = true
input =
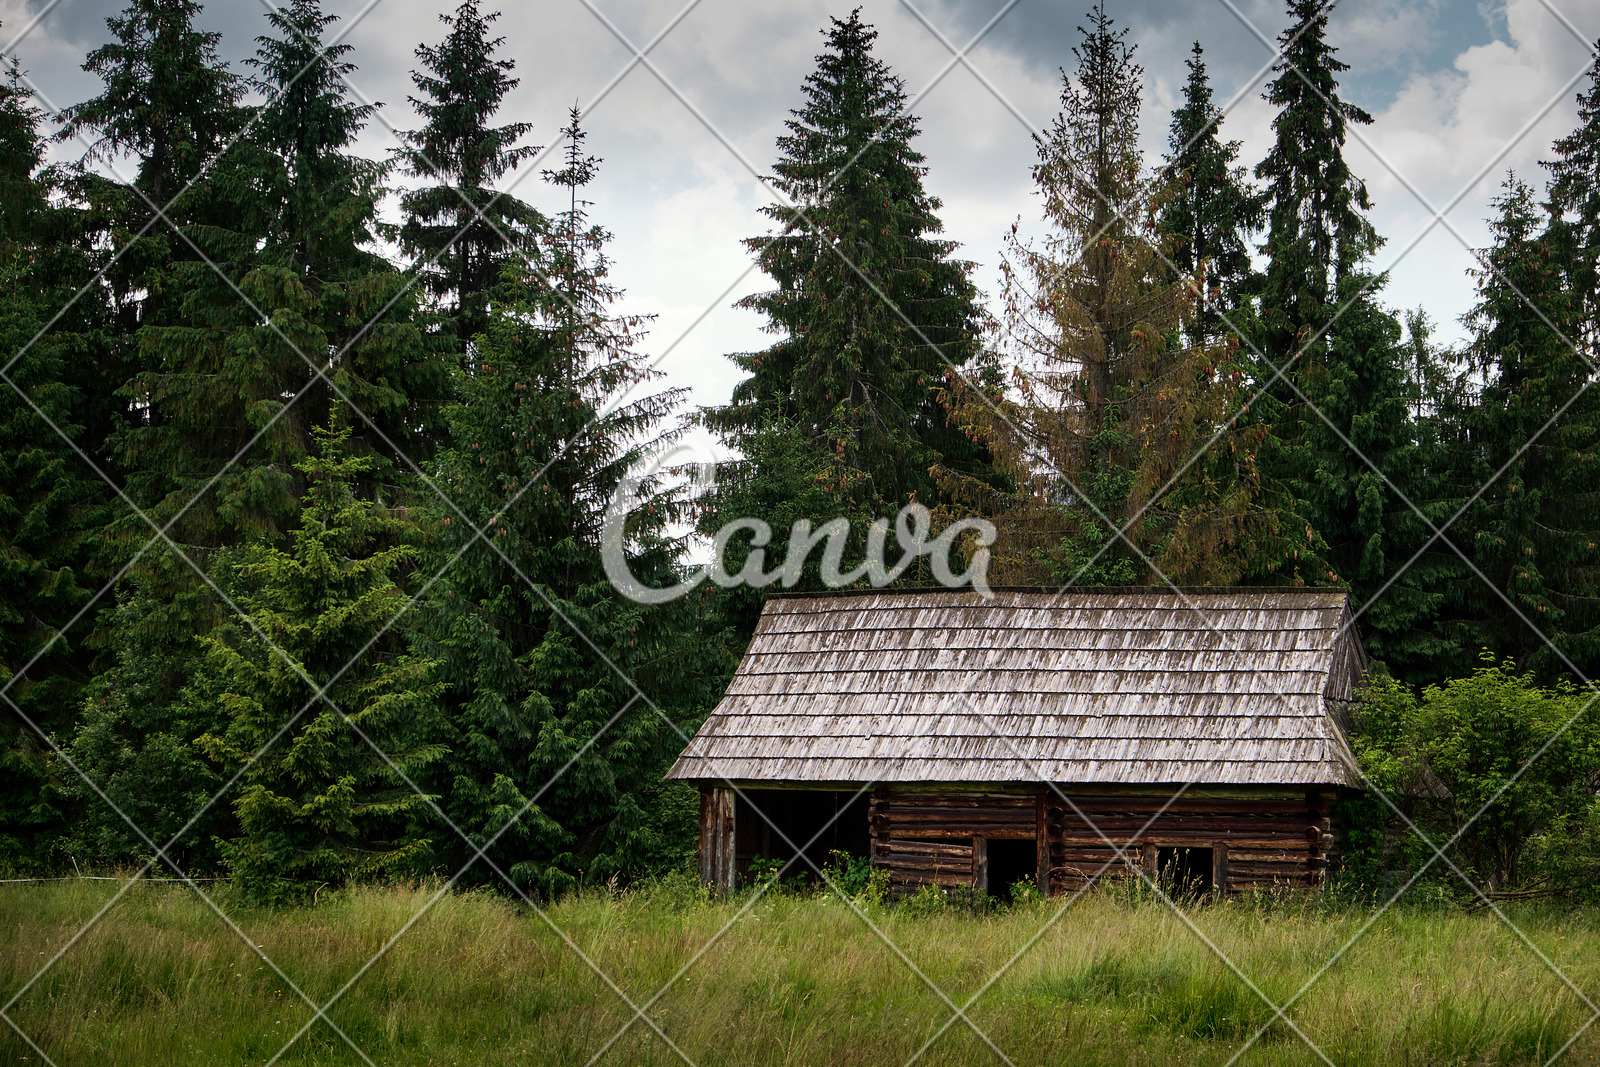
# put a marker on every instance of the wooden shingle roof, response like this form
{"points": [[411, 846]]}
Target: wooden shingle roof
{"points": [[1235, 686]]}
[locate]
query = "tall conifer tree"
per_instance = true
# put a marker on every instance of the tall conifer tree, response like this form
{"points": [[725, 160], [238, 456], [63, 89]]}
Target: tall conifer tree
{"points": [[1211, 207], [1575, 205], [168, 100], [295, 245], [861, 387], [542, 435], [1317, 233], [462, 155], [1351, 407], [318, 804], [1111, 404], [171, 104], [1535, 532], [47, 511]]}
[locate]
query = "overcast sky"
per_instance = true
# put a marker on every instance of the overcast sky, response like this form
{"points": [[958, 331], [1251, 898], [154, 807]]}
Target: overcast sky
{"points": [[1455, 87]]}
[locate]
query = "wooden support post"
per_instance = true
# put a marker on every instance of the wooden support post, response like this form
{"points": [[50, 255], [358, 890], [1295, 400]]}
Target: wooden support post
{"points": [[1147, 860], [1219, 867], [980, 863], [717, 838], [1042, 845]]}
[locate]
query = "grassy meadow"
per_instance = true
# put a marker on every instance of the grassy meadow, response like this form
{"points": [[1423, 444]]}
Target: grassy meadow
{"points": [[795, 979]]}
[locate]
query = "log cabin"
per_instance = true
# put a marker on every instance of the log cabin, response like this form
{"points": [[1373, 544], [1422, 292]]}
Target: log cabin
{"points": [[1066, 737]]}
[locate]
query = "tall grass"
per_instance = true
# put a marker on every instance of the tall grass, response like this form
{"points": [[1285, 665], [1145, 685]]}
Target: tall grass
{"points": [[793, 980]]}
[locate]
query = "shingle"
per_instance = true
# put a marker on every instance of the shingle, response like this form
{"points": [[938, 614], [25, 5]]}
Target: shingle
{"points": [[1227, 686]]}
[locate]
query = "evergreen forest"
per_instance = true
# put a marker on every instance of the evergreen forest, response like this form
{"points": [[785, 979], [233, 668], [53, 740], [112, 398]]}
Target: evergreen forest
{"points": [[306, 457]]}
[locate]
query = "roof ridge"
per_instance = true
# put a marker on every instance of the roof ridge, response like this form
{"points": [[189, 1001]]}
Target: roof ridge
{"points": [[1121, 590]]}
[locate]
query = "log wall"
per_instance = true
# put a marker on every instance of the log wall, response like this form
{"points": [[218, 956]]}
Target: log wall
{"points": [[937, 836], [1270, 839], [1260, 838]]}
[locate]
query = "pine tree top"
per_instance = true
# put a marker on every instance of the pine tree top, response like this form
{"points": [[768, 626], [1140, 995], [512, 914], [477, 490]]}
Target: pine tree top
{"points": [[309, 114], [462, 90], [168, 97]]}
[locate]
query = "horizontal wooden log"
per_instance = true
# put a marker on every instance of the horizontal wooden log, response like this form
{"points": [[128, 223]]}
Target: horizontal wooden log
{"points": [[922, 833], [1190, 841], [922, 848], [970, 815], [943, 880], [1265, 870], [893, 795], [903, 860], [1191, 822], [957, 804], [1182, 804]]}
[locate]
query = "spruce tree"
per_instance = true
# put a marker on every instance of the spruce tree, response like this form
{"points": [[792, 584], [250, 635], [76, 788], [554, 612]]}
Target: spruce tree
{"points": [[542, 435], [321, 228], [1317, 235], [1574, 196], [1534, 531], [1359, 414], [300, 284], [319, 805], [169, 102], [47, 508], [1351, 405], [1211, 207], [222, 372], [462, 155], [1110, 404], [864, 386]]}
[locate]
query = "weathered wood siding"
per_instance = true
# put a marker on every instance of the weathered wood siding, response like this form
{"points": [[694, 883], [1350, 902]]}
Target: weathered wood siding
{"points": [[1259, 839], [717, 838], [1272, 839], [927, 836]]}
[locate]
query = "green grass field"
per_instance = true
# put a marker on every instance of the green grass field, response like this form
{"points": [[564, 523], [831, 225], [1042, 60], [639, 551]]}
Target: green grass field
{"points": [[794, 980]]}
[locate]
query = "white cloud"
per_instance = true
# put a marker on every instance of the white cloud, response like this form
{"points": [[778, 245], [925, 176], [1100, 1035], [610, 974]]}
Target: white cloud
{"points": [[1447, 126]]}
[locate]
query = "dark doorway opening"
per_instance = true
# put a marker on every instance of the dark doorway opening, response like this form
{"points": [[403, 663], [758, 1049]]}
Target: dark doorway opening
{"points": [[1010, 861], [1184, 872], [799, 815]]}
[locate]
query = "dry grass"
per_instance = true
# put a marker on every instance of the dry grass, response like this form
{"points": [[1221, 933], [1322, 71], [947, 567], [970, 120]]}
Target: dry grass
{"points": [[795, 980]]}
